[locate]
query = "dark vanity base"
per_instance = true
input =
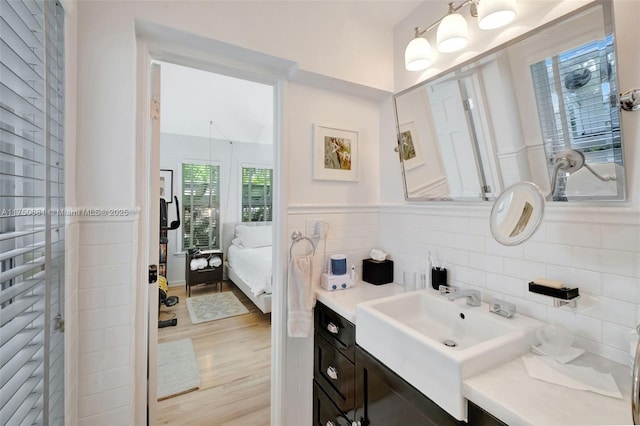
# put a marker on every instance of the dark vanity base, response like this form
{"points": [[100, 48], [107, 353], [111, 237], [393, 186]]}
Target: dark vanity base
{"points": [[478, 417], [351, 385], [384, 398]]}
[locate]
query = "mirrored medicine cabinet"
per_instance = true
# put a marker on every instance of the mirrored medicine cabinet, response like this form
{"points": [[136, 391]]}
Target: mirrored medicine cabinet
{"points": [[504, 117]]}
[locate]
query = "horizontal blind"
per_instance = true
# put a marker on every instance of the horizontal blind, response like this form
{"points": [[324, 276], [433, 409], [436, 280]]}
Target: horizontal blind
{"points": [[200, 205], [576, 96], [257, 194], [31, 241]]}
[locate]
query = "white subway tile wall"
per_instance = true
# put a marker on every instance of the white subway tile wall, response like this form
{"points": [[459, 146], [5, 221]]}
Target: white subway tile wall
{"points": [[352, 231], [72, 343], [105, 311], [598, 256]]}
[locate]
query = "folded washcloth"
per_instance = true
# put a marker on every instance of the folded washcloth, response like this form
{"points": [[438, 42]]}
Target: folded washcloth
{"points": [[301, 297], [571, 376]]}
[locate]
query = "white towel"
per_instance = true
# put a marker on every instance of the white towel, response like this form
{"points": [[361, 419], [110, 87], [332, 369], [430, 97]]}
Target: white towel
{"points": [[301, 297], [571, 376]]}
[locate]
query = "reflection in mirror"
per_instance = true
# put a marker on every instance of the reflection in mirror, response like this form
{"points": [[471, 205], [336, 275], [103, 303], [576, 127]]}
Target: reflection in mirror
{"points": [[505, 116], [517, 213]]}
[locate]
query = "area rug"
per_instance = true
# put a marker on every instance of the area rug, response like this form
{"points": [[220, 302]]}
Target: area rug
{"points": [[177, 369], [214, 306]]}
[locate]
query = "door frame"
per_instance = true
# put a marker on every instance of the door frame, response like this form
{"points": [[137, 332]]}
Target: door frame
{"points": [[145, 410]]}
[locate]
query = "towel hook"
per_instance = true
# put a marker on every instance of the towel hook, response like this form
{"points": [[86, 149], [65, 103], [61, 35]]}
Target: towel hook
{"points": [[297, 236]]}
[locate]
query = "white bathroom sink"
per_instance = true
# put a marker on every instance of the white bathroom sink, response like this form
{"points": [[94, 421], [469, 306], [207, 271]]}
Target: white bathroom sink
{"points": [[410, 332]]}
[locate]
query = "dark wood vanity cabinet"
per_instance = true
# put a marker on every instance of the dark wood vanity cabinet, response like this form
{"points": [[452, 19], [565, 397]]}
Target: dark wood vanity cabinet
{"points": [[351, 387], [385, 399], [478, 417], [333, 368]]}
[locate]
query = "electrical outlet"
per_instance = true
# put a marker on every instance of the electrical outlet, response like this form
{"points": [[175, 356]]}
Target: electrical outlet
{"points": [[311, 228], [315, 228]]}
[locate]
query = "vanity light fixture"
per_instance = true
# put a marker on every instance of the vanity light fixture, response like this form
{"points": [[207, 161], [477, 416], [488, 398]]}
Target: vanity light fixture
{"points": [[417, 55], [452, 33]]}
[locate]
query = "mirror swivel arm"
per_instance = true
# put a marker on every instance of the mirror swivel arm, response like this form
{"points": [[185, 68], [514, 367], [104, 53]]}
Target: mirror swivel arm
{"points": [[605, 178], [560, 164], [571, 161]]}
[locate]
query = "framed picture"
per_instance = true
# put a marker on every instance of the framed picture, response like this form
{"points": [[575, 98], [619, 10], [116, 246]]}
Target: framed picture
{"points": [[410, 150], [166, 185], [335, 153]]}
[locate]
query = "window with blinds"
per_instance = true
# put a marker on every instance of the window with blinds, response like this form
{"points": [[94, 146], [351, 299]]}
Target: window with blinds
{"points": [[31, 193], [257, 194], [200, 206], [576, 96]]}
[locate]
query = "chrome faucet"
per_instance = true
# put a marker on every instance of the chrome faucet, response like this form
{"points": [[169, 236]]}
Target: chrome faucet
{"points": [[473, 296]]}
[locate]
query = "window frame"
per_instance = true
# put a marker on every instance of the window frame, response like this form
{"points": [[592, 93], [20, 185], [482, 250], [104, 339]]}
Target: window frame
{"points": [[241, 187], [182, 201]]}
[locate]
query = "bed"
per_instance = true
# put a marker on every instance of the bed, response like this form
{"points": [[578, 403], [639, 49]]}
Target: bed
{"points": [[248, 259]]}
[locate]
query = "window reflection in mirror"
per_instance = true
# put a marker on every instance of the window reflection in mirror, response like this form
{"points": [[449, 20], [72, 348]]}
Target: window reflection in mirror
{"points": [[499, 119], [577, 91]]}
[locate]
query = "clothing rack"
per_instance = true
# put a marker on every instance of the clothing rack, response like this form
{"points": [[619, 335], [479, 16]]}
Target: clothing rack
{"points": [[297, 236]]}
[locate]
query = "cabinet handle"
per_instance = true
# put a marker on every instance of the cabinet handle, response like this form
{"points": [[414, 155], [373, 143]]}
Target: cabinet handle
{"points": [[332, 373], [333, 329]]}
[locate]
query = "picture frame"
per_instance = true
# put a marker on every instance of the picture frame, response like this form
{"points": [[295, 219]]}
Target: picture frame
{"points": [[166, 185], [335, 154], [409, 148]]}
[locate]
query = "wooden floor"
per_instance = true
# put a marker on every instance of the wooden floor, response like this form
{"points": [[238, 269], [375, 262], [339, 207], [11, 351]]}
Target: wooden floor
{"points": [[234, 359]]}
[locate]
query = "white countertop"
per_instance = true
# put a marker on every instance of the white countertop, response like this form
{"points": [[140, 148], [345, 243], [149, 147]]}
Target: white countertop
{"points": [[507, 391], [344, 301], [510, 394]]}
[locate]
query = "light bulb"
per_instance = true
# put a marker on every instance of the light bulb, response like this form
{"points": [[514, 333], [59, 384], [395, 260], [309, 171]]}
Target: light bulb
{"points": [[495, 13], [452, 33], [417, 55]]}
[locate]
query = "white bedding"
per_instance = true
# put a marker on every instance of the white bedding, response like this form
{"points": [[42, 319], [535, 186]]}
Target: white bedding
{"points": [[253, 266]]}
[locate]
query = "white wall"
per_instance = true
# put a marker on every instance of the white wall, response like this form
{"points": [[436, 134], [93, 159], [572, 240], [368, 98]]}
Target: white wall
{"points": [[593, 247], [307, 33], [350, 208], [178, 149], [310, 105]]}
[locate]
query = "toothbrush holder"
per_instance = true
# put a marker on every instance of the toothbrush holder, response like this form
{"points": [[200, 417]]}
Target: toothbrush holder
{"points": [[438, 277]]}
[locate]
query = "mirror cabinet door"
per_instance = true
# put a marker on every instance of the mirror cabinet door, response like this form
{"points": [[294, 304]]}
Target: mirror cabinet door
{"points": [[503, 117]]}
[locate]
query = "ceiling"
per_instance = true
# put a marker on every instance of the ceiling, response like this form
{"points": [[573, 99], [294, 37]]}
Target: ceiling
{"points": [[241, 110]]}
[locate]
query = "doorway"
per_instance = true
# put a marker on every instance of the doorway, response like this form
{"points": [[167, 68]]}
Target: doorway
{"points": [[217, 168]]}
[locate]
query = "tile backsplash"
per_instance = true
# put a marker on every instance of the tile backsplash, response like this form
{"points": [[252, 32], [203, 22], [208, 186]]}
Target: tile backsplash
{"points": [[105, 294], [594, 249]]}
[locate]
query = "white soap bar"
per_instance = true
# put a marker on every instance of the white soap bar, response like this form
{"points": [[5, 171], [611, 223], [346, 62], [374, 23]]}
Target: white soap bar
{"points": [[548, 283]]}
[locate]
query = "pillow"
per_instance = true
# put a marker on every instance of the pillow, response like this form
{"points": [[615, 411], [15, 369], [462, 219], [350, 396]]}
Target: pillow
{"points": [[254, 236]]}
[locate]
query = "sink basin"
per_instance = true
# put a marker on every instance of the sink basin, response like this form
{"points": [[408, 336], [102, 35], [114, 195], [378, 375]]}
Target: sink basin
{"points": [[434, 343]]}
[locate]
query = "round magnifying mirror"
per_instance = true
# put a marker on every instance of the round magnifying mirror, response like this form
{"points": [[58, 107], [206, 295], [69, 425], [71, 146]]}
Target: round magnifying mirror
{"points": [[517, 213]]}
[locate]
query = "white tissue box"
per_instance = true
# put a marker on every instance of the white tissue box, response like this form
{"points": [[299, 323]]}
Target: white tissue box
{"points": [[335, 282]]}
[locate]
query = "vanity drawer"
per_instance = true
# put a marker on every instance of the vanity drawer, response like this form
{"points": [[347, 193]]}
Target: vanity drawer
{"points": [[325, 413], [335, 373], [337, 330]]}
